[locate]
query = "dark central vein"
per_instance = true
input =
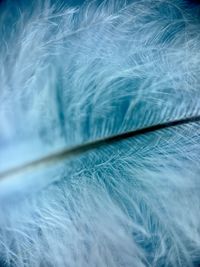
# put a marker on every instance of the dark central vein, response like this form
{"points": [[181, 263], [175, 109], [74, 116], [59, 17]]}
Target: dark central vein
{"points": [[77, 150]]}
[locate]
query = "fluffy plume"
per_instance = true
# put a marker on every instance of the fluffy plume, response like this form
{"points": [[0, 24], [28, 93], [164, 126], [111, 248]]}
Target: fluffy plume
{"points": [[71, 75]]}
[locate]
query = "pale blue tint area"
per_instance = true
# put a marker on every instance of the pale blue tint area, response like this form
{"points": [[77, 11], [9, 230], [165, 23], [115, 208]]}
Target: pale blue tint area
{"points": [[70, 75], [69, 79], [119, 205]]}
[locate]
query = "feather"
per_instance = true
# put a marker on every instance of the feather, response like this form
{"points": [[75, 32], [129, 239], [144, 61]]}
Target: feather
{"points": [[71, 75]]}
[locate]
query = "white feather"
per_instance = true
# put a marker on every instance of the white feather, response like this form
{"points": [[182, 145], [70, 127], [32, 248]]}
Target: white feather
{"points": [[71, 75]]}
